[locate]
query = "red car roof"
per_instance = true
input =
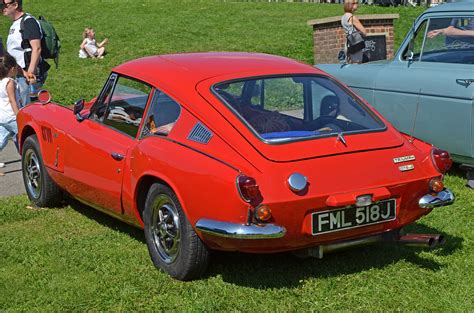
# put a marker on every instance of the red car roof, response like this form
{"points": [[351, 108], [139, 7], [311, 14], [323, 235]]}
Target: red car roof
{"points": [[195, 67]]}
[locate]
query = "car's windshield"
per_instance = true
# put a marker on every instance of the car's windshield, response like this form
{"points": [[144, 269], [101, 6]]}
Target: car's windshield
{"points": [[296, 107]]}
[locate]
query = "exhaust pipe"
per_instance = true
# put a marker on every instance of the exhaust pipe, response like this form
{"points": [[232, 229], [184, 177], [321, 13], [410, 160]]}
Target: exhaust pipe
{"points": [[417, 240], [421, 240], [319, 251]]}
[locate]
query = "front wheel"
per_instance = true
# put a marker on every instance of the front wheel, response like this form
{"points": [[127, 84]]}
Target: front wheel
{"points": [[172, 243], [40, 188]]}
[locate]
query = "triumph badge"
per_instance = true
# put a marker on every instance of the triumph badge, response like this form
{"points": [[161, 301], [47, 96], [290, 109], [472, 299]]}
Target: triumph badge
{"points": [[403, 159]]}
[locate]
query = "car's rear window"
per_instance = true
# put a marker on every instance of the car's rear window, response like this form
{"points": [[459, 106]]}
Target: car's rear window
{"points": [[294, 107]]}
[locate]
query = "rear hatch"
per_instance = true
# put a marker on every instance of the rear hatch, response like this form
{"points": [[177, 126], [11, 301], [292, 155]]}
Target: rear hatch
{"points": [[383, 136]]}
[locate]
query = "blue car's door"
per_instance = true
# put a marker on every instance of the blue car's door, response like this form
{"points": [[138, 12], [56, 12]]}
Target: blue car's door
{"points": [[431, 93]]}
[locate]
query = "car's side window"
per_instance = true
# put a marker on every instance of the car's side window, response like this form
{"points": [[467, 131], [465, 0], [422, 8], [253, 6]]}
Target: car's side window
{"points": [[449, 40], [126, 106], [417, 42], [162, 115], [100, 105]]}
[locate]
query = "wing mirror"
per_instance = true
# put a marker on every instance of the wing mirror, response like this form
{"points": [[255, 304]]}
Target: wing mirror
{"points": [[409, 53], [44, 97], [78, 107], [342, 57], [410, 56]]}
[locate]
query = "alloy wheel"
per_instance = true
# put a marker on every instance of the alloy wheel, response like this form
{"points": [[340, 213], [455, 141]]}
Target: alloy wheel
{"points": [[166, 228], [32, 173]]}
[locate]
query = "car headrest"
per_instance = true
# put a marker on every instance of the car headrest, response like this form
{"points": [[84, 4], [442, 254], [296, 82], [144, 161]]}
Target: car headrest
{"points": [[329, 106]]}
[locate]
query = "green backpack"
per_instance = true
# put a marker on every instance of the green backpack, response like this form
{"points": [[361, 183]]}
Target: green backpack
{"points": [[50, 43]]}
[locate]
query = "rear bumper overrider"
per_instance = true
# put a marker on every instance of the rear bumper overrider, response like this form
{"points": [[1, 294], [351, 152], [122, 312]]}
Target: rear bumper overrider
{"points": [[240, 231], [442, 198]]}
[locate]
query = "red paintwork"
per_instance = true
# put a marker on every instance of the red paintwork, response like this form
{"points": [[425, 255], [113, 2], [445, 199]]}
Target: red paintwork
{"points": [[205, 186]]}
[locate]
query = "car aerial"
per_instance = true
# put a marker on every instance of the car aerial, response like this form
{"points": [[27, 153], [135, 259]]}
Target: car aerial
{"points": [[428, 87], [235, 152]]}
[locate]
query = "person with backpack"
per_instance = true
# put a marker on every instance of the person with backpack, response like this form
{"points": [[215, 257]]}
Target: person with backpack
{"points": [[24, 44]]}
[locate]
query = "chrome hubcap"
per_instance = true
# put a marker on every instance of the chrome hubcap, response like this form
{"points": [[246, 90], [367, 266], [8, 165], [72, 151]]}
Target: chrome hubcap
{"points": [[32, 172], [166, 228]]}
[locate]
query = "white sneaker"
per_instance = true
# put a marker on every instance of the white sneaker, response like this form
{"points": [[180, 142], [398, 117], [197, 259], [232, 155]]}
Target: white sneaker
{"points": [[2, 165]]}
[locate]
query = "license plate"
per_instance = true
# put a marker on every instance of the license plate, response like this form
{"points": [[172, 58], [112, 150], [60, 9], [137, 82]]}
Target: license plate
{"points": [[353, 217]]}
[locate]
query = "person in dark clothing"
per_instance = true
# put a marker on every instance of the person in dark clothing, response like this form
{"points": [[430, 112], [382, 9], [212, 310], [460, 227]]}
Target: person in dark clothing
{"points": [[24, 44]]}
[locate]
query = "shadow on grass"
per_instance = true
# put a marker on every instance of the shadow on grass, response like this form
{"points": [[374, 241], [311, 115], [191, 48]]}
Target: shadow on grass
{"points": [[458, 171], [106, 220], [284, 270]]}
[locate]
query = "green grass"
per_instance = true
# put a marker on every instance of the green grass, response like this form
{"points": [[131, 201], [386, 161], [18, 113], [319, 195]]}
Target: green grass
{"points": [[139, 28], [77, 259]]}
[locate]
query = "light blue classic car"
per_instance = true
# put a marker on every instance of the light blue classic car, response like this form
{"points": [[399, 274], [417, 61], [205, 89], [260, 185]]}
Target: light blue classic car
{"points": [[428, 87]]}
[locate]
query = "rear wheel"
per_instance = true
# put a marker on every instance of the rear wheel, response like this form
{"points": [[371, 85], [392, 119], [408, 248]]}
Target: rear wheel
{"points": [[172, 243], [40, 188]]}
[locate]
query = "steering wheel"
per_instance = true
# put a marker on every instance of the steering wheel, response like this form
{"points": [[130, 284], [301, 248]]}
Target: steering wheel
{"points": [[325, 123], [331, 127]]}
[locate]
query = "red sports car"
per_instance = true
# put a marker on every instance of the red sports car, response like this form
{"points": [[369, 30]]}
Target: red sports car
{"points": [[233, 151]]}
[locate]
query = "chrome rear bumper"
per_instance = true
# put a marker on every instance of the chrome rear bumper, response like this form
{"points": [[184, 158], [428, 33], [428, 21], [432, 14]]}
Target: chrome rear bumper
{"points": [[442, 198], [240, 231]]}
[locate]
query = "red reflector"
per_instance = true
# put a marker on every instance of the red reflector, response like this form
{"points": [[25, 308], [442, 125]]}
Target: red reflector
{"points": [[441, 160], [248, 187]]}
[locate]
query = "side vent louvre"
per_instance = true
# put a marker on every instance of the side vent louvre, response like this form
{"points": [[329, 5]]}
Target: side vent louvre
{"points": [[200, 134], [46, 134]]}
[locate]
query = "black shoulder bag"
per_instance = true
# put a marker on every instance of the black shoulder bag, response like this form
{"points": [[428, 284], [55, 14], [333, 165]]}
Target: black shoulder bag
{"points": [[355, 41]]}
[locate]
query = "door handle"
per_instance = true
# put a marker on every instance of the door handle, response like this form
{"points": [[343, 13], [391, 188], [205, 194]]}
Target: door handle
{"points": [[117, 156], [465, 81]]}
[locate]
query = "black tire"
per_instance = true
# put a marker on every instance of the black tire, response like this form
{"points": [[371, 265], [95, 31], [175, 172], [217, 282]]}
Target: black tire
{"points": [[172, 243], [40, 188]]}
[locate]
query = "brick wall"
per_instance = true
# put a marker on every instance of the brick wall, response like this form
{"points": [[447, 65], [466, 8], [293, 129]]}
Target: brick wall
{"points": [[329, 37]]}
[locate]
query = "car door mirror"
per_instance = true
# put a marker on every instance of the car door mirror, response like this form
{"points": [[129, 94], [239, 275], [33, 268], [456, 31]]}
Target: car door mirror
{"points": [[341, 56], [409, 55], [78, 107]]}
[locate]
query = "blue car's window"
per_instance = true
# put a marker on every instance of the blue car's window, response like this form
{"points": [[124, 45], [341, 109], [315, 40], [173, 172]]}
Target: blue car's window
{"points": [[418, 41], [127, 104], [289, 108], [449, 40]]}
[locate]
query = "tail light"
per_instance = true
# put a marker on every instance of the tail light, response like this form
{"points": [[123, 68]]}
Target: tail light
{"points": [[441, 160], [247, 187], [436, 185]]}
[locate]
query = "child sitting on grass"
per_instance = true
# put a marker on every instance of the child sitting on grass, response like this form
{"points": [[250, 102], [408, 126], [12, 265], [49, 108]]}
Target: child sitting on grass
{"points": [[89, 47], [8, 104]]}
